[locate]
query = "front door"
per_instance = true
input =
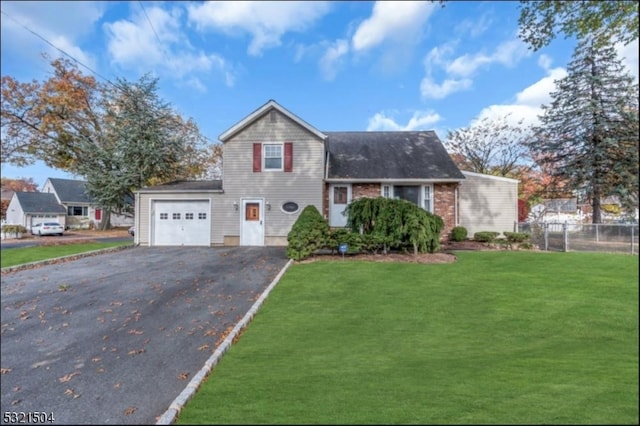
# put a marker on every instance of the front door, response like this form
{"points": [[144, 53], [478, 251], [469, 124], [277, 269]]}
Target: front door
{"points": [[252, 223], [339, 197]]}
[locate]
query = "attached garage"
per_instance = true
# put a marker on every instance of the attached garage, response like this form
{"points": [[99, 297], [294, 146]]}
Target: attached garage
{"points": [[181, 223], [178, 214]]}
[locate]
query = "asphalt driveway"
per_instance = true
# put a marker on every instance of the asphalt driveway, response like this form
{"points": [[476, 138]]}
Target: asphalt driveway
{"points": [[115, 338]]}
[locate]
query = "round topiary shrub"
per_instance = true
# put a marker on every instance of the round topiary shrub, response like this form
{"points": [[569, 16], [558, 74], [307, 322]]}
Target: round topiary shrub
{"points": [[459, 233]]}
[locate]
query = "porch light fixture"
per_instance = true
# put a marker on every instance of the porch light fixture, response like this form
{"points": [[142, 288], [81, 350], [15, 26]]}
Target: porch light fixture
{"points": [[235, 205], [268, 206]]}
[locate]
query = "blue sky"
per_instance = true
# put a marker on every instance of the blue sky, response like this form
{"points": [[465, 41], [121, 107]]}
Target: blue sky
{"points": [[337, 65]]}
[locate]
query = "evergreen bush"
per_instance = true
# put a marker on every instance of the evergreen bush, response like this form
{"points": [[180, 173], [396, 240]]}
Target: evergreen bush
{"points": [[308, 234], [394, 224], [486, 236], [459, 233]]}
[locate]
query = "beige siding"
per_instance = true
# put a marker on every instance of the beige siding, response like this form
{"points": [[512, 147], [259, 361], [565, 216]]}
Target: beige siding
{"points": [[303, 185], [488, 203]]}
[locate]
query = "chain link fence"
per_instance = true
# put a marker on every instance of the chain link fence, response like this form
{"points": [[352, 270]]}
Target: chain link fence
{"points": [[611, 238]]}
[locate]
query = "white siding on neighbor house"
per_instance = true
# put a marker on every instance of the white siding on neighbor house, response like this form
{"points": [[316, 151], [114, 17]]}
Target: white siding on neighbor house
{"points": [[145, 205], [15, 214], [488, 203], [303, 185]]}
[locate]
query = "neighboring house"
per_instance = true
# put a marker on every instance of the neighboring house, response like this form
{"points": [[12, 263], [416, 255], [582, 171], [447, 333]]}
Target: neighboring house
{"points": [[81, 213], [60, 195], [5, 199], [276, 164], [29, 208], [557, 210]]}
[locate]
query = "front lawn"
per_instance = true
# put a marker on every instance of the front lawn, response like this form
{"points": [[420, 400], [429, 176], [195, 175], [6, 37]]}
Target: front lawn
{"points": [[495, 338], [21, 255]]}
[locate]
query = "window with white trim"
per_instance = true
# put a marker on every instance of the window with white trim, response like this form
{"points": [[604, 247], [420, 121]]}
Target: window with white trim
{"points": [[272, 156], [421, 195], [77, 211], [427, 198]]}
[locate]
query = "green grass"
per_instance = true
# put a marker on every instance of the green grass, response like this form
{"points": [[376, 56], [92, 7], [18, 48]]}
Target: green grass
{"points": [[21, 255], [495, 338]]}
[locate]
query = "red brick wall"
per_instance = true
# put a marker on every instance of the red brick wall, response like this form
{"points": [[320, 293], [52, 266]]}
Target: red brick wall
{"points": [[444, 206], [444, 201], [359, 190]]}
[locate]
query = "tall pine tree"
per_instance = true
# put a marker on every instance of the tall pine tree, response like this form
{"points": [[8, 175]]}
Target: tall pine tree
{"points": [[588, 137]]}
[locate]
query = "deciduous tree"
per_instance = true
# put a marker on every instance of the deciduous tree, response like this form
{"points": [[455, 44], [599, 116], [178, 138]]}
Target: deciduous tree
{"points": [[492, 146], [601, 21], [118, 136]]}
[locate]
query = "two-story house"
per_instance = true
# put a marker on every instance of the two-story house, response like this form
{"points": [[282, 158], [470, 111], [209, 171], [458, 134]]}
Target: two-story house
{"points": [[275, 164]]}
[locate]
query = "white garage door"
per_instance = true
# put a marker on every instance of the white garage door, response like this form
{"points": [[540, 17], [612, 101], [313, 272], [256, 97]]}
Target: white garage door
{"points": [[41, 218], [181, 223]]}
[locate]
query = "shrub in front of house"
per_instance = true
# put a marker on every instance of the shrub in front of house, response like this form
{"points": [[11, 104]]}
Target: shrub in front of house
{"points": [[516, 237], [339, 236], [518, 240], [486, 236], [13, 231], [459, 233], [395, 224], [308, 234]]}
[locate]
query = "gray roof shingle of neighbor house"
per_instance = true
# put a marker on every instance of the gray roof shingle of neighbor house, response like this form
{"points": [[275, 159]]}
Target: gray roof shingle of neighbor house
{"points": [[187, 185], [38, 202], [389, 155], [71, 191]]}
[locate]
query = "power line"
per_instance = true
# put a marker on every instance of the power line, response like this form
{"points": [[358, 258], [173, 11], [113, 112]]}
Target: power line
{"points": [[154, 32], [57, 48]]}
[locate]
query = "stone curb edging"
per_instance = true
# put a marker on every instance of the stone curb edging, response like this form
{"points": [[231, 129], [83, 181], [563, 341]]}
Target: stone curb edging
{"points": [[178, 404], [62, 259]]}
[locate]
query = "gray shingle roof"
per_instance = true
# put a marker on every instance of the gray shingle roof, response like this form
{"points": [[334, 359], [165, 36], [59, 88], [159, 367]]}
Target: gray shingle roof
{"points": [[71, 191], [389, 155], [39, 202], [187, 185]]}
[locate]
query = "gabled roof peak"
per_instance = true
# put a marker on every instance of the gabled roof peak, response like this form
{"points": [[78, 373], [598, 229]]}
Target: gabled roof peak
{"points": [[271, 104]]}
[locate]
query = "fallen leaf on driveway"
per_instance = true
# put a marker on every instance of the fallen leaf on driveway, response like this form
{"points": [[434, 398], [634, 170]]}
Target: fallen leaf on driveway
{"points": [[129, 411], [68, 377]]}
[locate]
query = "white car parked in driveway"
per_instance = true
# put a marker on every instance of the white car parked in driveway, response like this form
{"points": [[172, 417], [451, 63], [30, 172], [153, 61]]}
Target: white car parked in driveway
{"points": [[47, 228]]}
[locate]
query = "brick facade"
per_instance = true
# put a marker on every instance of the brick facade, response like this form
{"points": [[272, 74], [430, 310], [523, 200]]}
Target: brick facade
{"points": [[359, 190], [444, 201], [445, 206]]}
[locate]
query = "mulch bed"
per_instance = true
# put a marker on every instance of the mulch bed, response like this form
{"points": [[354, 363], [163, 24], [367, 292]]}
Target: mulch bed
{"points": [[442, 256]]}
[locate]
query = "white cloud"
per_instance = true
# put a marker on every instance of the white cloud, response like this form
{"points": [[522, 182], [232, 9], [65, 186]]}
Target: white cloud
{"points": [[528, 102], [420, 120], [432, 90], [162, 46], [265, 21], [545, 62], [629, 56], [392, 20], [460, 70], [331, 60], [508, 54], [474, 28], [63, 24], [539, 92]]}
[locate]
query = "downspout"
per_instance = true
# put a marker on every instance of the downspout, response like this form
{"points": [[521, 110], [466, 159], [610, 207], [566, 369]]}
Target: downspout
{"points": [[455, 206], [136, 234]]}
